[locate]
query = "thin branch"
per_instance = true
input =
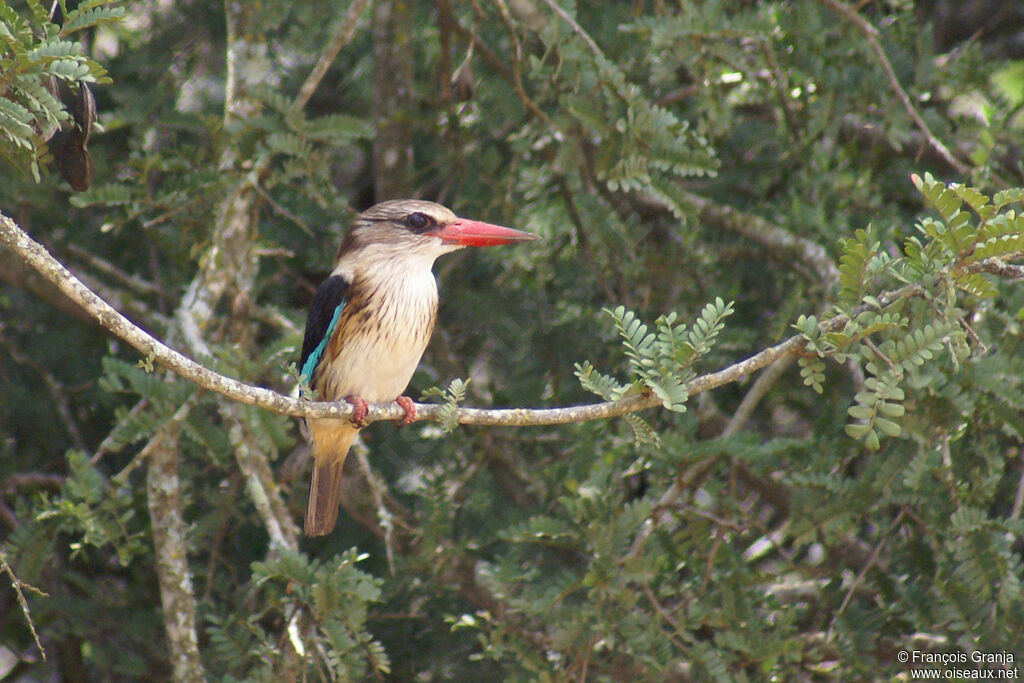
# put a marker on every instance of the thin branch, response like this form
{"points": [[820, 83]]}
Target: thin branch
{"points": [[863, 572], [1018, 500], [753, 227], [758, 229], [259, 481], [998, 266], [672, 495], [517, 75], [133, 282], [870, 34], [567, 18], [18, 585], [60, 402], [330, 53], [276, 206], [479, 47], [110, 442], [7, 516], [764, 382], [17, 481]]}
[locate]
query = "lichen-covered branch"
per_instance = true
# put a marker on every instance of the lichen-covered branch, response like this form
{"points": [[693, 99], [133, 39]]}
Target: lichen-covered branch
{"points": [[259, 480], [12, 236], [163, 494]]}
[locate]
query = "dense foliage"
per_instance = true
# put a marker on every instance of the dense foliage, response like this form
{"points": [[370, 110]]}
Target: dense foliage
{"points": [[710, 179]]}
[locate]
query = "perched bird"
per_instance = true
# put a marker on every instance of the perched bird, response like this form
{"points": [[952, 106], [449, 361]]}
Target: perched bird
{"points": [[370, 322]]}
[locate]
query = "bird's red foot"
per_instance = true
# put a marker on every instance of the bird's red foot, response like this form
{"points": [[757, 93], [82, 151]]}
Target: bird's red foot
{"points": [[410, 410], [361, 409]]}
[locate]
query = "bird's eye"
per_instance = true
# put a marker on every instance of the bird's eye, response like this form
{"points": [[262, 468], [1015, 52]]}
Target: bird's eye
{"points": [[418, 221]]}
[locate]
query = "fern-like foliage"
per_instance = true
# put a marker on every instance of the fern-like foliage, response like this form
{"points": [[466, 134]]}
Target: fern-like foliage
{"points": [[642, 146], [861, 259], [888, 362], [95, 513], [875, 408], [299, 146], [989, 229], [336, 594], [660, 360], [939, 260], [453, 395]]}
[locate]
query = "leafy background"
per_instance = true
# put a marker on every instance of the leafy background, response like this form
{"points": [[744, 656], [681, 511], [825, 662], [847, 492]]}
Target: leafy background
{"points": [[687, 164]]}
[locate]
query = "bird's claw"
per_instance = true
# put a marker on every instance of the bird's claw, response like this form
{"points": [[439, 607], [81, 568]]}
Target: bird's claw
{"points": [[410, 410], [360, 412]]}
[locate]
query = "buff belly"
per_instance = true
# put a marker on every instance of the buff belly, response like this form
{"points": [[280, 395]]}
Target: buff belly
{"points": [[374, 353]]}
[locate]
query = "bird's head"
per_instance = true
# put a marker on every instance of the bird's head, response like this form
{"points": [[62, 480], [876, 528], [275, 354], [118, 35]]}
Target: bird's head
{"points": [[415, 229]]}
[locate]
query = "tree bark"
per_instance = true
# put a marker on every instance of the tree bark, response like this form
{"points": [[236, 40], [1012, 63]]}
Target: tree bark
{"points": [[163, 495]]}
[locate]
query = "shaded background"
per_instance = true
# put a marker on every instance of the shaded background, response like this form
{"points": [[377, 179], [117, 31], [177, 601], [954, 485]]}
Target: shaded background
{"points": [[661, 149]]}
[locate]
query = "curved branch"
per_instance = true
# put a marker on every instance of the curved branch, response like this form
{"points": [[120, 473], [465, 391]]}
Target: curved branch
{"points": [[341, 38], [870, 33], [36, 256], [755, 228]]}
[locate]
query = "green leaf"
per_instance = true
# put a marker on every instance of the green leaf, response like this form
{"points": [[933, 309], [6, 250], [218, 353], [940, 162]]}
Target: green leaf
{"points": [[853, 266]]}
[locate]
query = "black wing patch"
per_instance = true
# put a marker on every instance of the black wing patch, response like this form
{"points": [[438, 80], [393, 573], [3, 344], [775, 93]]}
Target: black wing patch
{"points": [[324, 314]]}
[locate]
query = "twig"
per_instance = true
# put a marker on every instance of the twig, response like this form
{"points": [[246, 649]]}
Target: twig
{"points": [[557, 9], [30, 480], [947, 467], [7, 516], [709, 562], [517, 76], [761, 386], [276, 206], [135, 283], [17, 584], [674, 492], [172, 423], [385, 518], [108, 442], [226, 504], [755, 228], [1018, 501], [60, 402], [863, 572], [878, 352], [998, 266], [327, 57], [479, 47], [870, 34]]}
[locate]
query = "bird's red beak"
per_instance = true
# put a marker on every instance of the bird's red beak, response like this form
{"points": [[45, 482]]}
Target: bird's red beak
{"points": [[476, 234]]}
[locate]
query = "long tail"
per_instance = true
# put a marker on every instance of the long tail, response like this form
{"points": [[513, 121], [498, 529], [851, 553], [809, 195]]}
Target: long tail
{"points": [[331, 440]]}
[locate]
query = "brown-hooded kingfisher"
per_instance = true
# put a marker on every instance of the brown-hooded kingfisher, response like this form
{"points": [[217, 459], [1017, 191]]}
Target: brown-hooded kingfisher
{"points": [[370, 322]]}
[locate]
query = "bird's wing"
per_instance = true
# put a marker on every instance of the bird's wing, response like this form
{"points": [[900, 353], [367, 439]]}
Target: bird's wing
{"points": [[323, 318]]}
